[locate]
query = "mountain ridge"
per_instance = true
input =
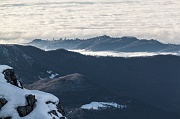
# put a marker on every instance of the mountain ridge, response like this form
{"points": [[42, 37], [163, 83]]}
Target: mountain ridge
{"points": [[153, 80], [82, 85], [107, 43]]}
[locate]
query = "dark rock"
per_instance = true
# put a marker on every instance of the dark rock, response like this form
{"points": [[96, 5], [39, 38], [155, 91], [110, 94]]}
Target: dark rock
{"points": [[7, 118], [3, 101], [53, 112], [60, 109], [48, 102], [62, 118], [22, 111], [31, 99], [25, 110], [29, 109], [9, 75]]}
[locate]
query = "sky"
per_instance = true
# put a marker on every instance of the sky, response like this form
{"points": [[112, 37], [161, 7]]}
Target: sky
{"points": [[23, 20]]}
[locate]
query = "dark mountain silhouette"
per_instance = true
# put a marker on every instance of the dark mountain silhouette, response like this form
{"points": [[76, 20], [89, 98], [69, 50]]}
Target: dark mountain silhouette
{"points": [[76, 90], [107, 43], [152, 80]]}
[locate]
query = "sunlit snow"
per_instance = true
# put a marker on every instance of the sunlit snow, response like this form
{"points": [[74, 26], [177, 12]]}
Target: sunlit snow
{"points": [[102, 105]]}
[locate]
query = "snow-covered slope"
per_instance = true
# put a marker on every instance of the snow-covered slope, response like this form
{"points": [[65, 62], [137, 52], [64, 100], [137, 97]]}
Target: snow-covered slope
{"points": [[13, 99]]}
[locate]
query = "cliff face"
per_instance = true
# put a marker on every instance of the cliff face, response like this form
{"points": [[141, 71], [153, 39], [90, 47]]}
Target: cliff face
{"points": [[17, 102]]}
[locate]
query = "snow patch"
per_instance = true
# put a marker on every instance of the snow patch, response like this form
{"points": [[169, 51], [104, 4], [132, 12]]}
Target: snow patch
{"points": [[49, 72], [52, 75], [102, 105]]}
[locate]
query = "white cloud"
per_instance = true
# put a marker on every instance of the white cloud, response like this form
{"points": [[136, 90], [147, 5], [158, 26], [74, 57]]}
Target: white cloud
{"points": [[123, 54], [49, 19]]}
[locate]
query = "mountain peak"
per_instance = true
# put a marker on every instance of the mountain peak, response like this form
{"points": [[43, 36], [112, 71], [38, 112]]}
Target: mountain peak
{"points": [[37, 40], [129, 38], [105, 37]]}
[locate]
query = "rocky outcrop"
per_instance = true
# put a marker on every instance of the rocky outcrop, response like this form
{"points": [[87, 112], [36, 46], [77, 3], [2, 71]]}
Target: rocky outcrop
{"points": [[61, 109], [9, 75], [17, 102], [25, 110], [30, 100]]}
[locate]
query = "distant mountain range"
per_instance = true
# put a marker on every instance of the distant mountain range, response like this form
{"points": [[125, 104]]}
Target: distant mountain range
{"points": [[107, 43], [151, 83]]}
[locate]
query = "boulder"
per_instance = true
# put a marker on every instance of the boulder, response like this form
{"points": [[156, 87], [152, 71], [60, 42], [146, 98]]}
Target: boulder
{"points": [[22, 111], [9, 75], [25, 110], [31, 99]]}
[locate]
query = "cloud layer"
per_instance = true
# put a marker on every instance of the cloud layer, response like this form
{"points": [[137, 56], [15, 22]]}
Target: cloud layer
{"points": [[123, 54], [22, 21]]}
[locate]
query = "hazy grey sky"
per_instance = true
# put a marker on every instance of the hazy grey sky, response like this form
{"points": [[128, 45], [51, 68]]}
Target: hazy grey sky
{"points": [[23, 20]]}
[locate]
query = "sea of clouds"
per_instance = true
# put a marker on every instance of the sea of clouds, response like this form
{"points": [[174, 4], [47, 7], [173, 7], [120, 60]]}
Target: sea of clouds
{"points": [[123, 54], [22, 21]]}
